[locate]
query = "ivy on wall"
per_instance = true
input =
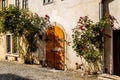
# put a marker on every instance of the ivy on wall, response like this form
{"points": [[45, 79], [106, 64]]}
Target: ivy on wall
{"points": [[22, 23]]}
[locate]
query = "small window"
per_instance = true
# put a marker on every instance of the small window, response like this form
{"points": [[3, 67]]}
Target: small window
{"points": [[0, 4], [24, 4], [14, 44], [47, 1], [11, 44], [3, 4], [8, 42], [17, 3]]}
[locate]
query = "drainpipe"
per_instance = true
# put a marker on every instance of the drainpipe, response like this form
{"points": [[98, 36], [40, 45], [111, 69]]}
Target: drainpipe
{"points": [[101, 6], [101, 9]]}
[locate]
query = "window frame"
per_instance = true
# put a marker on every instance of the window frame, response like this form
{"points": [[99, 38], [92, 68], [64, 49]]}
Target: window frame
{"points": [[10, 45], [3, 3], [17, 3], [25, 4], [47, 2]]}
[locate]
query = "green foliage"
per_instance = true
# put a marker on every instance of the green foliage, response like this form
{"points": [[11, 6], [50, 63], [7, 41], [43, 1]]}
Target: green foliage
{"points": [[22, 23], [88, 38]]}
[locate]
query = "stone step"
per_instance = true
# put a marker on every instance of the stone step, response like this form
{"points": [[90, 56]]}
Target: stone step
{"points": [[104, 78], [108, 77]]}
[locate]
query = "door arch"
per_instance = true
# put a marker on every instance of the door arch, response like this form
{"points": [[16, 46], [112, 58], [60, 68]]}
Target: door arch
{"points": [[55, 48]]}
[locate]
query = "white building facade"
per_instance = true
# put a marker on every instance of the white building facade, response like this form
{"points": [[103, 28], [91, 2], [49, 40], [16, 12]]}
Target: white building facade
{"points": [[64, 15]]}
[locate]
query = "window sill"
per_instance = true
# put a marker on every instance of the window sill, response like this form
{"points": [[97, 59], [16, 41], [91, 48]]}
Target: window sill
{"points": [[14, 55]]}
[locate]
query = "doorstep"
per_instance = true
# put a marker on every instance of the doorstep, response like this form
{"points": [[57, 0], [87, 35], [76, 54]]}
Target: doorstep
{"points": [[108, 77]]}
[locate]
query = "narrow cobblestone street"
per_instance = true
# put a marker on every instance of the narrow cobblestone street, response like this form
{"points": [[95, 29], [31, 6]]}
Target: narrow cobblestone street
{"points": [[16, 71]]}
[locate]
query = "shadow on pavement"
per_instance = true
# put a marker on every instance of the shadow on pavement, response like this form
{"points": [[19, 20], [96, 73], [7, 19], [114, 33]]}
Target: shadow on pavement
{"points": [[12, 77]]}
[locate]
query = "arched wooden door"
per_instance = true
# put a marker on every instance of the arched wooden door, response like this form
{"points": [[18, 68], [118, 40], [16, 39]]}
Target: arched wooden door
{"points": [[55, 48]]}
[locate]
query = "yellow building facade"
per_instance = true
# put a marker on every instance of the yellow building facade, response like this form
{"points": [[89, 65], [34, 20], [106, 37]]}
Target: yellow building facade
{"points": [[8, 44]]}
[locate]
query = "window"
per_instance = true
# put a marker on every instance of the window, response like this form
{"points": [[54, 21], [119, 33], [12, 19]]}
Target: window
{"points": [[8, 42], [24, 4], [47, 1], [17, 3], [11, 44], [0, 4], [3, 4], [14, 44]]}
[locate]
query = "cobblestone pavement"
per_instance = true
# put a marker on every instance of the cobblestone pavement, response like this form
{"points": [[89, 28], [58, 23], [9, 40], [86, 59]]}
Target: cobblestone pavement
{"points": [[17, 71]]}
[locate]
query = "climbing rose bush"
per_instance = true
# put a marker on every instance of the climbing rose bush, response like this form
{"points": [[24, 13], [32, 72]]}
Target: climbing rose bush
{"points": [[88, 37]]}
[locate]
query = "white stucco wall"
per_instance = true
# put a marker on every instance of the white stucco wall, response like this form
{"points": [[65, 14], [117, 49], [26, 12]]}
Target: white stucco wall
{"points": [[114, 10], [67, 13]]}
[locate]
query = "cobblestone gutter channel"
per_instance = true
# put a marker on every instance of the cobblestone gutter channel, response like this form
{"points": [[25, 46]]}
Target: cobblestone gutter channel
{"points": [[16, 71]]}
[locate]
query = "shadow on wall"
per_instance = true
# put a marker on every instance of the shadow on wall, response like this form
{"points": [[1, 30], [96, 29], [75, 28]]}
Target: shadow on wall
{"points": [[12, 77]]}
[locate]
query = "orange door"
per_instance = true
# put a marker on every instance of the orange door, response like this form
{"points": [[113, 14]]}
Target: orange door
{"points": [[55, 48]]}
